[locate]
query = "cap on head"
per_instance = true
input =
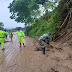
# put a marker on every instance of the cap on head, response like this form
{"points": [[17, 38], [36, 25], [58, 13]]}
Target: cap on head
{"points": [[49, 33], [18, 29]]}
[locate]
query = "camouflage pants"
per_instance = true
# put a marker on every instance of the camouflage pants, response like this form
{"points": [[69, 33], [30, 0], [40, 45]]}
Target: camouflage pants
{"points": [[42, 43]]}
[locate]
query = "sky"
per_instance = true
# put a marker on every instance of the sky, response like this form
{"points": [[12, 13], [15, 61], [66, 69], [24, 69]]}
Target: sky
{"points": [[5, 15]]}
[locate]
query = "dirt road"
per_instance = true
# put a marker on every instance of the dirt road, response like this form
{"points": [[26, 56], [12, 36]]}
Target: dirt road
{"points": [[25, 59]]}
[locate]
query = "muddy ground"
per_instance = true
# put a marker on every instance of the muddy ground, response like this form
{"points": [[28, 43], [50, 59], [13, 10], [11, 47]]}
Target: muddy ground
{"points": [[26, 59]]}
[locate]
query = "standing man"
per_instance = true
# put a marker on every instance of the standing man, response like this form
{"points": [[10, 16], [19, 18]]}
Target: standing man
{"points": [[11, 36], [2, 33], [20, 36]]}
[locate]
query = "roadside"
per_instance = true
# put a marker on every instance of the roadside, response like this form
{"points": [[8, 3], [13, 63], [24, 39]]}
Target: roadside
{"points": [[26, 59]]}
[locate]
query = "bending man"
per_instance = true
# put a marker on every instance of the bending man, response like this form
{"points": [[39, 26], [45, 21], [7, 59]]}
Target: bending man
{"points": [[44, 38]]}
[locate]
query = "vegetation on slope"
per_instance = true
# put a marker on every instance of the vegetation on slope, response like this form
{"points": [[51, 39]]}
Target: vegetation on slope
{"points": [[26, 10], [56, 18]]}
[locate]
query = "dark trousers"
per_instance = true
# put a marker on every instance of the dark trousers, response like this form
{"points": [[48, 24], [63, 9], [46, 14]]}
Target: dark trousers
{"points": [[6, 36], [42, 43], [47, 41], [43, 50]]}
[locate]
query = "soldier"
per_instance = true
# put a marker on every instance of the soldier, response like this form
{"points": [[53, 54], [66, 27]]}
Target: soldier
{"points": [[20, 36], [42, 43], [43, 39], [2, 33], [47, 37]]}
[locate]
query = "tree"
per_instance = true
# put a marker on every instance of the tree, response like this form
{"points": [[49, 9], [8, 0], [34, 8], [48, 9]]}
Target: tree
{"points": [[1, 25], [23, 10], [47, 4], [41, 1]]}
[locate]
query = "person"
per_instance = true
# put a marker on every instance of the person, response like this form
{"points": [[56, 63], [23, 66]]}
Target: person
{"points": [[2, 33], [6, 35], [11, 36], [20, 36], [42, 43], [44, 38]]}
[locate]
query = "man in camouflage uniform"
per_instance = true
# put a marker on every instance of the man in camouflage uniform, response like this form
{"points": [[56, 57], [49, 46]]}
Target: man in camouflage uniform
{"points": [[44, 38]]}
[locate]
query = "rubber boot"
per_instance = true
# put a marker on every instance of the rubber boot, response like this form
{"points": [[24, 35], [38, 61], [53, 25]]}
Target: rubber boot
{"points": [[20, 44], [23, 45]]}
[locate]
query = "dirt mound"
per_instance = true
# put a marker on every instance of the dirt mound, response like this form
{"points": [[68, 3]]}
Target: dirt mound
{"points": [[59, 52]]}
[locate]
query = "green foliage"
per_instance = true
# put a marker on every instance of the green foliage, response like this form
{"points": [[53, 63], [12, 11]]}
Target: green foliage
{"points": [[23, 10], [9, 31], [50, 5], [1, 25], [41, 1], [27, 29], [45, 26], [63, 9], [56, 18]]}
